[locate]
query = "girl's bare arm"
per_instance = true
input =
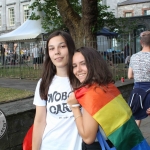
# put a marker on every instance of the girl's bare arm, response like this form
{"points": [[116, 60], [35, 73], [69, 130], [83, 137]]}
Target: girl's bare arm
{"points": [[39, 126]]}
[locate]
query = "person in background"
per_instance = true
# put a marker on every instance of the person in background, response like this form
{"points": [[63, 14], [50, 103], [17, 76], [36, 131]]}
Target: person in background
{"points": [[15, 51], [139, 70], [126, 54], [28, 54], [127, 61], [35, 55], [103, 107], [24, 54], [2, 54], [41, 56], [107, 58], [54, 127]]}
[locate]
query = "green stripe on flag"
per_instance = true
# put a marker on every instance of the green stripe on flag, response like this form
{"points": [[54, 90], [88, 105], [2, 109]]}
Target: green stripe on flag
{"points": [[127, 136]]}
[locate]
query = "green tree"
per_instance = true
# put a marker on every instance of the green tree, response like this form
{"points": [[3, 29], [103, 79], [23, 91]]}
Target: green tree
{"points": [[82, 19]]}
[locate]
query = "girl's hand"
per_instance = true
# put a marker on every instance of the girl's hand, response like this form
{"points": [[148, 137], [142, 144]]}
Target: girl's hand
{"points": [[72, 99]]}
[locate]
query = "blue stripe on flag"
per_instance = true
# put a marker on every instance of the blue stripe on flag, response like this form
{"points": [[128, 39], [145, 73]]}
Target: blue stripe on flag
{"points": [[142, 146]]}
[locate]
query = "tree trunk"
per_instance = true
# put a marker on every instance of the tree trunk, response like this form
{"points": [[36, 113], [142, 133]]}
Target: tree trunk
{"points": [[80, 27], [89, 18]]}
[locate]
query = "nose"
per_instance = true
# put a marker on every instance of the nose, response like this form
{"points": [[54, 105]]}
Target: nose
{"points": [[78, 68], [57, 51]]}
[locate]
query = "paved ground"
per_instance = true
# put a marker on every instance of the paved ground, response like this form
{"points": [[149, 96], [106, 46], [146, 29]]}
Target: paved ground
{"points": [[18, 83], [30, 85]]}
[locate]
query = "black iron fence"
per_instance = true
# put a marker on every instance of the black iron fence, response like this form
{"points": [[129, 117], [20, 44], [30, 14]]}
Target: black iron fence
{"points": [[25, 60]]}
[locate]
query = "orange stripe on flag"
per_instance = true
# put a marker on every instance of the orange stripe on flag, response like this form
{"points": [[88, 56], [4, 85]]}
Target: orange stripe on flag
{"points": [[93, 99]]}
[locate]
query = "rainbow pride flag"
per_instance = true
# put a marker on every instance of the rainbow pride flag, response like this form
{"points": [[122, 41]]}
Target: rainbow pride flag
{"points": [[107, 106]]}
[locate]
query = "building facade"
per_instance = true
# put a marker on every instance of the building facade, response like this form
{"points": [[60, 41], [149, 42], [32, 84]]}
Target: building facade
{"points": [[128, 8], [13, 13], [137, 11], [131, 8], [113, 7]]}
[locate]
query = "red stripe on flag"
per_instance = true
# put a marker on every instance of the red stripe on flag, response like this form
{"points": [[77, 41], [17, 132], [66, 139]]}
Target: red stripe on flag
{"points": [[95, 97]]}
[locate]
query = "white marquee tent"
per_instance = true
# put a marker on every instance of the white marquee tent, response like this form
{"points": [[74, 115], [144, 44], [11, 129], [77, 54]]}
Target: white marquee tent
{"points": [[30, 29]]}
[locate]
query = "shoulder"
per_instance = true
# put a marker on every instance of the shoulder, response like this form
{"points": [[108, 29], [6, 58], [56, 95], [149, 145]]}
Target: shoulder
{"points": [[39, 82], [138, 54]]}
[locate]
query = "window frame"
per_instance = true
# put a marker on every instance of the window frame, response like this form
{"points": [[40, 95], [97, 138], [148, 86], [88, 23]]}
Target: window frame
{"points": [[128, 11], [11, 16], [145, 9], [0, 19], [26, 12]]}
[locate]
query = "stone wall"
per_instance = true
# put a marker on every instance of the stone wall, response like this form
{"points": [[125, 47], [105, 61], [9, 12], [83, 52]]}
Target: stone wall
{"points": [[125, 89], [17, 124], [20, 116], [136, 9]]}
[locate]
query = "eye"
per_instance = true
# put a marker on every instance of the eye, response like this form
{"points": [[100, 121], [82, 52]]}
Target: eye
{"points": [[83, 63], [51, 48], [73, 66], [62, 46]]}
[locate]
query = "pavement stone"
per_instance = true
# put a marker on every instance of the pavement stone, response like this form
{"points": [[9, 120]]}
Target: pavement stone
{"points": [[145, 128], [18, 83], [27, 103]]}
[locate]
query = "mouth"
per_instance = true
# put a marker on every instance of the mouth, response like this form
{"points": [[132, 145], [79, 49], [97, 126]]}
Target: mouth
{"points": [[59, 58], [81, 76]]}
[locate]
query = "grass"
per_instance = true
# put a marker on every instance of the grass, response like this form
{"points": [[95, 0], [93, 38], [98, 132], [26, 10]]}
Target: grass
{"points": [[20, 72], [10, 94], [27, 72]]}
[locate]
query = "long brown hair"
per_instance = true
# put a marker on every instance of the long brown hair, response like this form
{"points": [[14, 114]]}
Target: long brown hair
{"points": [[98, 71], [49, 70]]}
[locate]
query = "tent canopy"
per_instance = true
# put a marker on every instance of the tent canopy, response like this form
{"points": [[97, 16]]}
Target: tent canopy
{"points": [[106, 32], [30, 29]]}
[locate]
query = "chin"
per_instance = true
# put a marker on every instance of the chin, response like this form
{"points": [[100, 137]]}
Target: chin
{"points": [[81, 81]]}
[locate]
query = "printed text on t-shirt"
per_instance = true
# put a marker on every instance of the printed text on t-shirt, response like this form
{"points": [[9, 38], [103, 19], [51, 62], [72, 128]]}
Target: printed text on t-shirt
{"points": [[57, 97]]}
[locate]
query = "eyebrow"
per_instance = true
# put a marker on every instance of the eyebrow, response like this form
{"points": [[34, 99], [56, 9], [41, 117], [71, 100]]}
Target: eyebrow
{"points": [[79, 62], [58, 44]]}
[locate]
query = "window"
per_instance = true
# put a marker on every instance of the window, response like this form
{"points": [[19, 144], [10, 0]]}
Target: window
{"points": [[104, 2], [0, 19], [26, 12], [146, 12], [128, 14], [11, 16]]}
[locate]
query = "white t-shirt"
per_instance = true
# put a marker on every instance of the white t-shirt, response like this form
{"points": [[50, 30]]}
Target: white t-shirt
{"points": [[61, 132], [35, 52]]}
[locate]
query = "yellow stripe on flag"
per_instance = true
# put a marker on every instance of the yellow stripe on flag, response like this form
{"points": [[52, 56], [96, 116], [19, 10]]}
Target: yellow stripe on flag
{"points": [[117, 113]]}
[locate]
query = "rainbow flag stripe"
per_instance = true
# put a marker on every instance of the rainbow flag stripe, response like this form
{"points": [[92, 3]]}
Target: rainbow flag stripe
{"points": [[107, 106]]}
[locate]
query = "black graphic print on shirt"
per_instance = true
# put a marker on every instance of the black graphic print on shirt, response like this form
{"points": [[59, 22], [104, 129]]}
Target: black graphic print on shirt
{"points": [[58, 102]]}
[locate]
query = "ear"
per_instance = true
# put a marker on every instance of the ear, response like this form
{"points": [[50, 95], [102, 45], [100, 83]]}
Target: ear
{"points": [[141, 43]]}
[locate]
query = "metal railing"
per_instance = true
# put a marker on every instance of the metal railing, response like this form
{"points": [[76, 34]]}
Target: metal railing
{"points": [[17, 62]]}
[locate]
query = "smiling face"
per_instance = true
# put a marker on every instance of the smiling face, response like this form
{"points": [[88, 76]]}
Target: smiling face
{"points": [[58, 52], [79, 67]]}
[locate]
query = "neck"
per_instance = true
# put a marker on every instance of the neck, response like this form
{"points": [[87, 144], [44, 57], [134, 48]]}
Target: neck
{"points": [[146, 49], [62, 72]]}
